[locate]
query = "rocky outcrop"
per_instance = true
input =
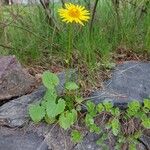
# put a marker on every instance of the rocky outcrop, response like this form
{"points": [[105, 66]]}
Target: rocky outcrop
{"points": [[129, 81], [14, 80], [15, 112]]}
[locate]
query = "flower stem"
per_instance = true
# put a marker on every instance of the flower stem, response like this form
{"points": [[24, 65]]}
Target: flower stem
{"points": [[69, 50], [70, 37]]}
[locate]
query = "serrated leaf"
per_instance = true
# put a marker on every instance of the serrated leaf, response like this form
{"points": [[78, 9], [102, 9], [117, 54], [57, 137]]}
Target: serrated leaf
{"points": [[94, 128], [133, 108], [54, 109], [146, 110], [75, 114], [76, 136], [137, 135], [50, 80], [71, 86], [146, 123], [108, 105], [147, 103], [89, 120], [50, 95], [132, 146], [134, 105], [100, 107], [115, 111], [115, 124], [67, 119], [141, 115], [36, 112], [91, 108], [49, 120]]}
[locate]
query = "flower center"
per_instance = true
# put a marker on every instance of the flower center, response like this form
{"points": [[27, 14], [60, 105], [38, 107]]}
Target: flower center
{"points": [[75, 13]]}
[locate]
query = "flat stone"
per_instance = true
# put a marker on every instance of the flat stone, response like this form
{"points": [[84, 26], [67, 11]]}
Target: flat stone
{"points": [[14, 80], [15, 113], [129, 81], [88, 143], [20, 140]]}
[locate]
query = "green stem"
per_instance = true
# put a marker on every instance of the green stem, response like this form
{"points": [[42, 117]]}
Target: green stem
{"points": [[69, 50], [70, 37]]}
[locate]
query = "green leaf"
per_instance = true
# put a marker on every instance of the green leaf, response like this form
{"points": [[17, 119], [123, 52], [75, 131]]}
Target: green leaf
{"points": [[132, 146], [75, 114], [91, 108], [76, 136], [141, 115], [115, 112], [137, 135], [133, 108], [118, 146], [94, 128], [50, 95], [100, 107], [49, 120], [147, 103], [50, 80], [67, 119], [115, 124], [54, 109], [146, 123], [36, 112], [71, 86], [134, 105], [79, 100], [69, 102], [108, 106], [89, 120], [146, 110]]}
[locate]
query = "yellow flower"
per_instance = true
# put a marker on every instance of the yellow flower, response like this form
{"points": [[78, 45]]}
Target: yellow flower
{"points": [[74, 13]]}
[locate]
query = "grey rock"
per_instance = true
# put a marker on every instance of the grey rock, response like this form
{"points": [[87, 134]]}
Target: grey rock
{"points": [[15, 112], [129, 81], [20, 140], [55, 137], [58, 139], [14, 80], [89, 143], [145, 140]]}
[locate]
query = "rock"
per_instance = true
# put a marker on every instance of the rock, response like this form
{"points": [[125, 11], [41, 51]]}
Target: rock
{"points": [[145, 140], [15, 112], [88, 143], [14, 80], [58, 139], [20, 140], [129, 81]]}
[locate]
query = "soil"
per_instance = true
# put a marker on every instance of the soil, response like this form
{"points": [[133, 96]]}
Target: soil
{"points": [[89, 81]]}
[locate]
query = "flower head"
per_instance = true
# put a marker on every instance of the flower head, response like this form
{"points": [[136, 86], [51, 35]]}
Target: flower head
{"points": [[74, 14]]}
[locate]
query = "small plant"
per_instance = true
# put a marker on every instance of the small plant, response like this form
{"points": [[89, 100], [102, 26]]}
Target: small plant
{"points": [[126, 125], [53, 108]]}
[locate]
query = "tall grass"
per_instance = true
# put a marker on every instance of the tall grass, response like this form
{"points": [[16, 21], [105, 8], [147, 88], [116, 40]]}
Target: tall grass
{"points": [[26, 33]]}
